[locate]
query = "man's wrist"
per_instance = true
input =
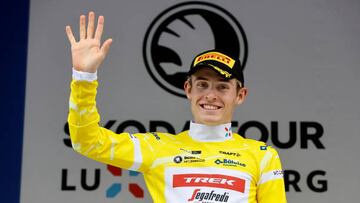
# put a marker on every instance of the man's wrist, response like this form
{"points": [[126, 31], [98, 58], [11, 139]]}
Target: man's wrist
{"points": [[86, 76]]}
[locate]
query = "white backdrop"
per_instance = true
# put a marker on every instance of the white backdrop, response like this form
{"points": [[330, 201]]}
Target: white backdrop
{"points": [[302, 70]]}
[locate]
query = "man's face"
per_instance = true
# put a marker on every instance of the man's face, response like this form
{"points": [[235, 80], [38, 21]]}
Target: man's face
{"points": [[213, 99]]}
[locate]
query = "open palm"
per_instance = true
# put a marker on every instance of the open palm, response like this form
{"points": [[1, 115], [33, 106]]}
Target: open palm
{"points": [[88, 53]]}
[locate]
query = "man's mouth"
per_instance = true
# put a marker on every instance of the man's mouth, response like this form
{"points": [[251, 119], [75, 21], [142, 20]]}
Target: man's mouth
{"points": [[209, 107]]}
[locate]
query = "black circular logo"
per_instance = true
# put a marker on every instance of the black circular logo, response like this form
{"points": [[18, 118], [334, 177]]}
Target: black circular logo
{"points": [[184, 30], [178, 159]]}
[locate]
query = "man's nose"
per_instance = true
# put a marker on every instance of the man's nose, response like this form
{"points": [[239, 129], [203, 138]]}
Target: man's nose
{"points": [[211, 94]]}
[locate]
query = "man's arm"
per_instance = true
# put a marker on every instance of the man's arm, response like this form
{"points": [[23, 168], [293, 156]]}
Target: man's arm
{"points": [[87, 137]]}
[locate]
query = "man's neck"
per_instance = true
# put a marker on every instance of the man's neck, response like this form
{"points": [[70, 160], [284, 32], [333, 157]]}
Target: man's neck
{"points": [[210, 133]]}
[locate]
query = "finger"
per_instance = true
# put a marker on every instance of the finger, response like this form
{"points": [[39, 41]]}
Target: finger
{"points": [[99, 28], [82, 27], [106, 46], [70, 35], [90, 28]]}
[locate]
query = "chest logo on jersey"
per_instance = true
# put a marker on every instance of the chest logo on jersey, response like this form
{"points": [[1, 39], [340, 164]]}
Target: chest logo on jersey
{"points": [[199, 195], [209, 180], [191, 151], [188, 159], [230, 153], [229, 162]]}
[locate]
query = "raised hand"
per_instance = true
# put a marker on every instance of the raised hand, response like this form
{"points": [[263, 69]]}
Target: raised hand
{"points": [[88, 53]]}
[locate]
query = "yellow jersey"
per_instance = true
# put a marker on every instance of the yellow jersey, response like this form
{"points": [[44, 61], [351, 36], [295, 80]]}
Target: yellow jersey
{"points": [[207, 164]]}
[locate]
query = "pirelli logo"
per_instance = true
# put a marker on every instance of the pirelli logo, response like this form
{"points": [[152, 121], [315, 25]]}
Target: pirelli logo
{"points": [[215, 56], [209, 180]]}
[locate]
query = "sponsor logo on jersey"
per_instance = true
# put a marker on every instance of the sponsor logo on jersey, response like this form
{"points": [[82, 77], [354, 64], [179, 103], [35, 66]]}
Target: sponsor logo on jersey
{"points": [[187, 159], [230, 153], [227, 130], [212, 196], [178, 159], [191, 151], [229, 162], [192, 159], [209, 180], [278, 173], [263, 147]]}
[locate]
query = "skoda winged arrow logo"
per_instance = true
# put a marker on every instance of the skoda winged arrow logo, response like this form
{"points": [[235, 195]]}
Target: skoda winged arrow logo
{"points": [[180, 32]]}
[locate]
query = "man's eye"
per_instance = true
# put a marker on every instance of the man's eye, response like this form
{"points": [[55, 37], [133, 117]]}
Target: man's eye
{"points": [[223, 87], [202, 84]]}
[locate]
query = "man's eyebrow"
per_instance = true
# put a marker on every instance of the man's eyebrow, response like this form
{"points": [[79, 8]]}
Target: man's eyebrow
{"points": [[200, 78], [204, 78]]}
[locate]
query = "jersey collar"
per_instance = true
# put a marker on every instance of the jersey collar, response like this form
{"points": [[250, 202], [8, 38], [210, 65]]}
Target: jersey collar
{"points": [[206, 133]]}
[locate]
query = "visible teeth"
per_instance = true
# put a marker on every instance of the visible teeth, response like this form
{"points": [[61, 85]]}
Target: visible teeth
{"points": [[210, 107]]}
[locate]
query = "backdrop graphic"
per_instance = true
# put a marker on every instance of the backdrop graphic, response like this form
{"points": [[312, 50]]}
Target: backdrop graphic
{"points": [[301, 68]]}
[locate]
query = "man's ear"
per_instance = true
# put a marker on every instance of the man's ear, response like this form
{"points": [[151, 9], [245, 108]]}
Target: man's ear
{"points": [[187, 89], [241, 95]]}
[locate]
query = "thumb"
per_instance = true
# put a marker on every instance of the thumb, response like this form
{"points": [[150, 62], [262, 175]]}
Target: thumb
{"points": [[106, 46]]}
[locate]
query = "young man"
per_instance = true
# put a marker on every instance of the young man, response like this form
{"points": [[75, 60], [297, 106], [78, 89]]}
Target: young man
{"points": [[208, 163]]}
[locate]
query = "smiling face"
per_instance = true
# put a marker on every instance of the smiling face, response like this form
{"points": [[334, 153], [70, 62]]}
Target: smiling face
{"points": [[213, 99]]}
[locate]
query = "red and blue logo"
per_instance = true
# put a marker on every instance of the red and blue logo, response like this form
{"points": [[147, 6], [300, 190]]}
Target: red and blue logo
{"points": [[228, 132], [115, 189]]}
